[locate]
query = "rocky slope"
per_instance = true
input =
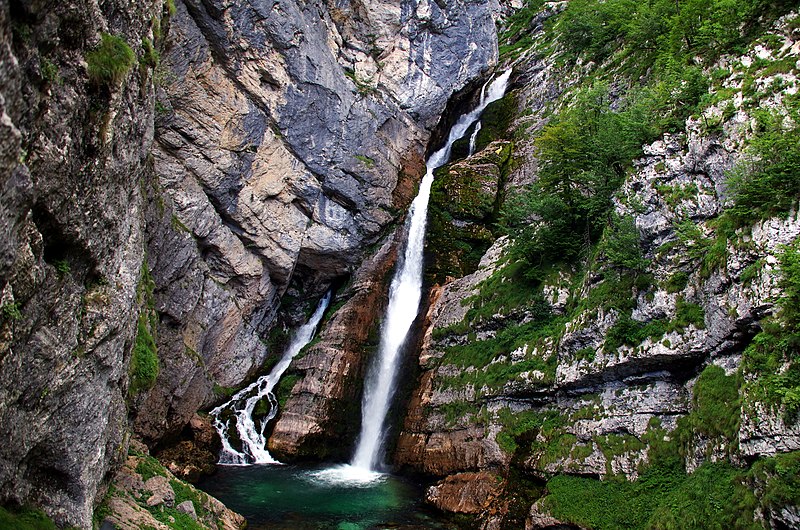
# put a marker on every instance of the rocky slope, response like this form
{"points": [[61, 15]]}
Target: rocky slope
{"points": [[592, 373]]}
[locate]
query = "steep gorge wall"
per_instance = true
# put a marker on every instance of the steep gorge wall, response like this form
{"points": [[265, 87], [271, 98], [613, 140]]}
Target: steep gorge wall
{"points": [[288, 140], [75, 160]]}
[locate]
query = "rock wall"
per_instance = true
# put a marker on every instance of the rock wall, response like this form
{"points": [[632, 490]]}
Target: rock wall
{"points": [[288, 140], [74, 161]]}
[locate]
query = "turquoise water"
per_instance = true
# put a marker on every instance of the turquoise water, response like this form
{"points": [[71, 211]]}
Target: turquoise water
{"points": [[298, 498]]}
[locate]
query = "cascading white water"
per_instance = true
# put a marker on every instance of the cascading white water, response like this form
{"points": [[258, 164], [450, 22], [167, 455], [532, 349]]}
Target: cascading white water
{"points": [[242, 404], [474, 138], [404, 295]]}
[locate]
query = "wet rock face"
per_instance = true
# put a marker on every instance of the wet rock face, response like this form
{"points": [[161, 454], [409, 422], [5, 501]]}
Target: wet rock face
{"points": [[287, 138], [322, 413], [73, 154]]}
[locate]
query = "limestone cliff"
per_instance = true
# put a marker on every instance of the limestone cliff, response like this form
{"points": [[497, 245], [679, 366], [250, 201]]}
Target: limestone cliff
{"points": [[75, 153], [552, 380], [288, 140]]}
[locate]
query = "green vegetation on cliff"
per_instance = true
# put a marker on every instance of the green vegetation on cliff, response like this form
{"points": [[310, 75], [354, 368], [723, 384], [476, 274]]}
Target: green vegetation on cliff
{"points": [[144, 365], [25, 519], [772, 361], [110, 61]]}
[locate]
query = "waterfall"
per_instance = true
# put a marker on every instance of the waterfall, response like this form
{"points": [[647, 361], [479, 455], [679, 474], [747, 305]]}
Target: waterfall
{"points": [[242, 404], [474, 137], [404, 296]]}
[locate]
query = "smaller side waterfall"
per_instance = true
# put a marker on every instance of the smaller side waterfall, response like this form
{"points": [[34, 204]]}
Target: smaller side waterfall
{"points": [[242, 404]]}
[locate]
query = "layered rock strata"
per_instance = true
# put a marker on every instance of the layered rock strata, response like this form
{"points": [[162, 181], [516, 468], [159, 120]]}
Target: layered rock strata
{"points": [[288, 139]]}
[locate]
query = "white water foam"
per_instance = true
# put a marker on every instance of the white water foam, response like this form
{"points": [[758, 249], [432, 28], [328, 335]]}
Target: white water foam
{"points": [[347, 475], [474, 138], [242, 404]]}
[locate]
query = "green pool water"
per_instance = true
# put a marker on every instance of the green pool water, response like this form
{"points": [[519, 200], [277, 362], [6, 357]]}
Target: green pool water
{"points": [[299, 498]]}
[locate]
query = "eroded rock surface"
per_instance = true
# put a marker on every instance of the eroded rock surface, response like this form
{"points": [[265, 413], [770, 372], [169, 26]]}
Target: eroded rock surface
{"points": [[73, 161]]}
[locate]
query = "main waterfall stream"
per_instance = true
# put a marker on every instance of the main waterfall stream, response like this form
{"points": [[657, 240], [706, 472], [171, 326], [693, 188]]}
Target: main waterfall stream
{"points": [[404, 296], [358, 495]]}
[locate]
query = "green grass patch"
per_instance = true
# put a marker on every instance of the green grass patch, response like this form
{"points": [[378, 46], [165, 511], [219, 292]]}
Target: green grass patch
{"points": [[148, 467], [25, 519], [144, 361], [110, 62]]}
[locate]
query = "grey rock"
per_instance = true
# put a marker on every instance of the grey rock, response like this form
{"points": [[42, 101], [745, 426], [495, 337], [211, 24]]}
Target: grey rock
{"points": [[187, 507], [72, 156], [161, 491], [280, 160]]}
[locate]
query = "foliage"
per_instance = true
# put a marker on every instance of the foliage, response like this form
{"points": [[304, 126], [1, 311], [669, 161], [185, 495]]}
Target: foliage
{"points": [[663, 497], [25, 519], [772, 360], [781, 478], [516, 36], [687, 313], [507, 290], [525, 425], [716, 409], [677, 282], [629, 332], [49, 71], [584, 152], [621, 244], [185, 492], [150, 56], [367, 161], [110, 62], [662, 33], [11, 311], [752, 271], [144, 361], [767, 185], [62, 267]]}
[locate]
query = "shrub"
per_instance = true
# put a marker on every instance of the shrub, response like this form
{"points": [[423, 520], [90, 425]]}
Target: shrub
{"points": [[767, 185], [688, 313], [150, 56], [110, 62], [144, 362], [11, 311], [677, 282]]}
